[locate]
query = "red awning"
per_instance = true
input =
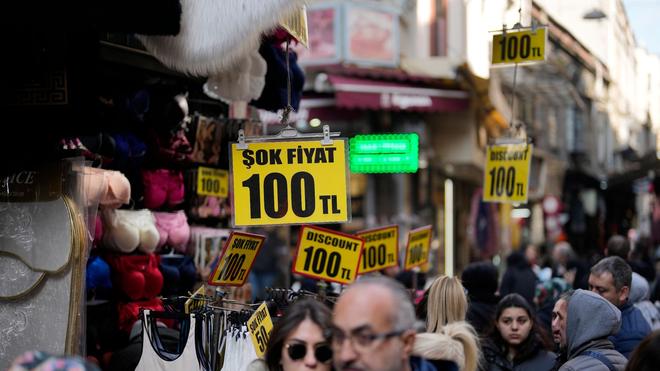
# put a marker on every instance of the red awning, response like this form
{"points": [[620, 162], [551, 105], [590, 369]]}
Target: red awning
{"points": [[356, 93]]}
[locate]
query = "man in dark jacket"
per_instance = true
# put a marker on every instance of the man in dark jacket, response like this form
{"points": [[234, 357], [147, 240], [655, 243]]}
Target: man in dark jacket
{"points": [[590, 320], [519, 277], [611, 278], [480, 281]]}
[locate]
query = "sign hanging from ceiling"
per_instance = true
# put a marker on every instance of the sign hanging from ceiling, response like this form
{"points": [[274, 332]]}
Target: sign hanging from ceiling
{"points": [[506, 175], [384, 153], [290, 182], [327, 255], [524, 46], [212, 182], [381, 249]]}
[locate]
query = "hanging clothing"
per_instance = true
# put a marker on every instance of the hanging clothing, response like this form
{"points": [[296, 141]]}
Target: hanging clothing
{"points": [[154, 360]]}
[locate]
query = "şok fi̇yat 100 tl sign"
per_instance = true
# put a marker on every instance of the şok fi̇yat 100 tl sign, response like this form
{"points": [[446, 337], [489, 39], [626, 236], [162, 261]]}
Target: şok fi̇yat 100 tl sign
{"points": [[418, 248], [506, 175], [290, 183], [327, 255], [236, 259], [381, 249]]}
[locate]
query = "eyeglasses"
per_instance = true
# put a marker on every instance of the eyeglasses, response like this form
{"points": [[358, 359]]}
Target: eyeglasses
{"points": [[360, 340], [298, 351]]}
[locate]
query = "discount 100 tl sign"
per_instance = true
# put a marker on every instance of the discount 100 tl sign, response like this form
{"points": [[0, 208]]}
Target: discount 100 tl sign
{"points": [[293, 182], [506, 176]]}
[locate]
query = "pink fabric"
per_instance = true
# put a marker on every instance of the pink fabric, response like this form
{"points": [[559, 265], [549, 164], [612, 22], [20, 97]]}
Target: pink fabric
{"points": [[173, 229], [162, 187], [98, 231], [109, 188]]}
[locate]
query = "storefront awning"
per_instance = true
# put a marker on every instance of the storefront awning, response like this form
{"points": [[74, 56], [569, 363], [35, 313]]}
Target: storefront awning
{"points": [[357, 93]]}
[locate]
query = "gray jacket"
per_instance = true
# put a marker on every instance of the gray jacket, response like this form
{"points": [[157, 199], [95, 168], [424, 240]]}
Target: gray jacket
{"points": [[591, 319]]}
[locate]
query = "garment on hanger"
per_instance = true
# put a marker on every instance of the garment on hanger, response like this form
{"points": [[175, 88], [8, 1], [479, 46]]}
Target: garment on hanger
{"points": [[155, 358], [127, 230]]}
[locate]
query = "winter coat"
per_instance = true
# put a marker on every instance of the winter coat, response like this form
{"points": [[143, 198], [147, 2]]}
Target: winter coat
{"points": [[480, 315], [496, 360], [422, 364], [634, 329], [639, 296], [519, 278], [591, 319]]}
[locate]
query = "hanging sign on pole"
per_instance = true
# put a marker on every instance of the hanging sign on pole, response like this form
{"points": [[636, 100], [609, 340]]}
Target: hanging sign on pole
{"points": [[327, 255], [519, 46], [290, 182], [260, 326], [506, 175], [418, 248], [236, 260], [381, 248]]}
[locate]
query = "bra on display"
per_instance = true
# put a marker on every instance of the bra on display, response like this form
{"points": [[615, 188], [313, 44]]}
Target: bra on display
{"points": [[137, 276], [127, 230]]}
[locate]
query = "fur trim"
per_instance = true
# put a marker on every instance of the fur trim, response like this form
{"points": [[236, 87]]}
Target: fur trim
{"points": [[217, 34], [439, 346]]}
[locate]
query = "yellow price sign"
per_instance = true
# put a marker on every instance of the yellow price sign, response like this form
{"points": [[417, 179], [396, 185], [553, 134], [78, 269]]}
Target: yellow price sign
{"points": [[327, 255], [519, 46], [196, 301], [260, 326], [236, 260], [293, 182], [212, 182], [381, 248], [418, 248], [506, 175]]}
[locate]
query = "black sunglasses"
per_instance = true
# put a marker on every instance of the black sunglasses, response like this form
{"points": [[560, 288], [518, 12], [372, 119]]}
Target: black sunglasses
{"points": [[298, 351]]}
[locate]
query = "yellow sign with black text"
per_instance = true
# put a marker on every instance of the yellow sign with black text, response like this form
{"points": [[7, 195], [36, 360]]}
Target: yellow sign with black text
{"points": [[506, 175], [212, 182], [236, 259], [327, 255], [294, 182], [418, 248], [381, 248], [260, 325], [519, 46]]}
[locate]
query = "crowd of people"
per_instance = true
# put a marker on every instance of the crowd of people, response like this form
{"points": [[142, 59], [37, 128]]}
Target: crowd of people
{"points": [[567, 316]]}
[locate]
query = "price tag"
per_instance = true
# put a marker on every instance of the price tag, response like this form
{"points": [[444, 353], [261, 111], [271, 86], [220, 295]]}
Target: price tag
{"points": [[327, 255], [212, 182], [418, 248], [260, 325], [381, 247], [290, 183], [236, 259], [193, 303], [519, 46], [506, 175]]}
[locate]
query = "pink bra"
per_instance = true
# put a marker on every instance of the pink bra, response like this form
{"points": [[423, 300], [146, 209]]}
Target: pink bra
{"points": [[174, 230], [109, 188]]}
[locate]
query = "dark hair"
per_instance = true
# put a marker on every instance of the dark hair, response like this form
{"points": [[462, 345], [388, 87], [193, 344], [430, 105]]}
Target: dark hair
{"points": [[480, 280], [302, 309], [618, 268], [537, 339], [646, 357], [619, 246]]}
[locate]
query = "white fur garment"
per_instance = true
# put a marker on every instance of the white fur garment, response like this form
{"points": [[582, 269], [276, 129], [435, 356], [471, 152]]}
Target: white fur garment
{"points": [[217, 34]]}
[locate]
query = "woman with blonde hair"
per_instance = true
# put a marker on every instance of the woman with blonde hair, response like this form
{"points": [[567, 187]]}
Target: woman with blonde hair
{"points": [[448, 336], [456, 342], [446, 303]]}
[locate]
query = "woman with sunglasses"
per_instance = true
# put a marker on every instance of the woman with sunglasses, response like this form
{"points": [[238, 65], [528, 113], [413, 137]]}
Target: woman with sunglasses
{"points": [[299, 340], [516, 343]]}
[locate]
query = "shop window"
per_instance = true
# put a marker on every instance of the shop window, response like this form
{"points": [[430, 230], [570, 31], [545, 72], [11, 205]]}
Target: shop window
{"points": [[439, 28]]}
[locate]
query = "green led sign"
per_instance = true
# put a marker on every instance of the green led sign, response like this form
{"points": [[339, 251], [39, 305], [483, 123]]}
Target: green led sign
{"points": [[384, 153]]}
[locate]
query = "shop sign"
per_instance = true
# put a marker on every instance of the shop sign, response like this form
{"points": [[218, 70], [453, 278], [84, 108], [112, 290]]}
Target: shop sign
{"points": [[527, 46], [381, 248], [260, 326], [418, 248], [212, 182], [385, 153], [236, 260], [506, 175], [327, 255], [194, 303], [290, 182]]}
